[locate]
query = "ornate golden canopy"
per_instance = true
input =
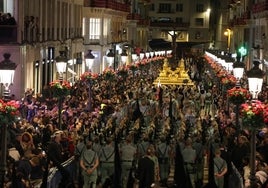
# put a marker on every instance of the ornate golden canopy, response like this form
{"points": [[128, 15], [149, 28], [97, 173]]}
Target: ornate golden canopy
{"points": [[176, 77]]}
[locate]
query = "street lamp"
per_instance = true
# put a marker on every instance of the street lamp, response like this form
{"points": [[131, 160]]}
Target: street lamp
{"points": [[7, 72], [229, 64], [89, 57], [147, 54], [238, 70], [110, 58], [61, 63], [89, 62], [124, 57], [134, 57], [142, 54], [255, 80], [227, 33], [152, 54]]}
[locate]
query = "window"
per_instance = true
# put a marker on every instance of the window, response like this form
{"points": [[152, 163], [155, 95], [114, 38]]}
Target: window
{"points": [[199, 21], [179, 20], [200, 8], [152, 7], [94, 28], [164, 8], [179, 7]]}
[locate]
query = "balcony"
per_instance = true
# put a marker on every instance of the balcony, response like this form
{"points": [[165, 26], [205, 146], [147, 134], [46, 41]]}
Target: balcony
{"points": [[8, 33], [238, 21], [133, 16], [260, 7], [124, 7], [170, 24]]}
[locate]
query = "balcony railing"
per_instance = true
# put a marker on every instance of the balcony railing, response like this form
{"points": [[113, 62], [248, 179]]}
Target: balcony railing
{"points": [[239, 21], [109, 4], [169, 24], [133, 16], [260, 7], [8, 33]]}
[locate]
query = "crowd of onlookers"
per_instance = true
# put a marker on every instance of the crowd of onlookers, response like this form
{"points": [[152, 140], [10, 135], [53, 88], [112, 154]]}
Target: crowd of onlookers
{"points": [[147, 122], [7, 19]]}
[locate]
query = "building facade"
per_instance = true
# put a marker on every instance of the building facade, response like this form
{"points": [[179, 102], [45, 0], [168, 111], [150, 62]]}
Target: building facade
{"points": [[42, 29], [45, 27]]}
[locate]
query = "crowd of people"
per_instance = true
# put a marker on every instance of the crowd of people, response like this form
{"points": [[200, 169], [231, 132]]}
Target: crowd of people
{"points": [[7, 19], [137, 126]]}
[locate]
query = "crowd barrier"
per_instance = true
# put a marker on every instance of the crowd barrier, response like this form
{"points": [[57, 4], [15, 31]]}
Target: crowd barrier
{"points": [[54, 175]]}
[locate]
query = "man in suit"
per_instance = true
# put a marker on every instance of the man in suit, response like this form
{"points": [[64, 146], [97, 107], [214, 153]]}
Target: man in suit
{"points": [[145, 171]]}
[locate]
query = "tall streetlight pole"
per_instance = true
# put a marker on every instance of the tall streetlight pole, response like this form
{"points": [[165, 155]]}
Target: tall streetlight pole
{"points": [[227, 33], [89, 62], [61, 64], [255, 80], [7, 72], [238, 71]]}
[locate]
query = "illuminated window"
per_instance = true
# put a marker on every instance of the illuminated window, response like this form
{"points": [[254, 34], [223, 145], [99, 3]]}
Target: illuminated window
{"points": [[94, 28]]}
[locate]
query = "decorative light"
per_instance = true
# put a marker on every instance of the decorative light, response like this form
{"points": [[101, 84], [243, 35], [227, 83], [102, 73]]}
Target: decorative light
{"points": [[152, 54], [61, 62], [229, 64], [124, 56], [89, 59], [142, 54], [147, 54], [110, 57], [238, 70], [255, 79]]}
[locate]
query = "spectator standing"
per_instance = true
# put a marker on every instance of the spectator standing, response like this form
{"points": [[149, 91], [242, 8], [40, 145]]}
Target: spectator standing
{"points": [[55, 151], [10, 20], [145, 171], [22, 170]]}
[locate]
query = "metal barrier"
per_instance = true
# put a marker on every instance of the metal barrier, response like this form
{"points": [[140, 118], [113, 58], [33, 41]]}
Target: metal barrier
{"points": [[54, 175]]}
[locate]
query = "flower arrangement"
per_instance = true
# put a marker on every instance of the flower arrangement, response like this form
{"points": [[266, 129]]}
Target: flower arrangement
{"points": [[254, 114], [109, 73], [132, 67], [60, 88], [228, 80], [238, 95], [123, 71], [88, 75], [221, 73], [8, 111]]}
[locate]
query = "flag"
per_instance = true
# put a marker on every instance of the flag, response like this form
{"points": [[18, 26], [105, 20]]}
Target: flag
{"points": [[137, 112], [211, 182], [181, 178], [117, 165]]}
